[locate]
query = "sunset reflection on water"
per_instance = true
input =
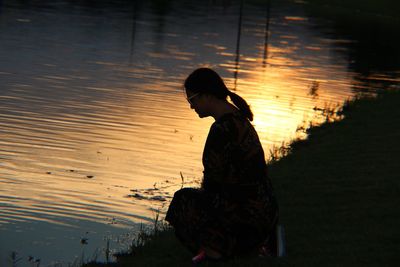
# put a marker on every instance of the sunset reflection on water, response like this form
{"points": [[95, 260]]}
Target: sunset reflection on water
{"points": [[95, 131]]}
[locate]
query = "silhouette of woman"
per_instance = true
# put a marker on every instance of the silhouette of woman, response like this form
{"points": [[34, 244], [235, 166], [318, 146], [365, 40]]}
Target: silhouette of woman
{"points": [[235, 210]]}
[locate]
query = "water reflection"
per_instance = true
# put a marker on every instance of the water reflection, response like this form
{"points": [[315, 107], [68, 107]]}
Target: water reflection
{"points": [[95, 133]]}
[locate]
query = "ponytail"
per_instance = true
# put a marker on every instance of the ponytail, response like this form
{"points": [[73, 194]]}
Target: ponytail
{"points": [[207, 81], [241, 104]]}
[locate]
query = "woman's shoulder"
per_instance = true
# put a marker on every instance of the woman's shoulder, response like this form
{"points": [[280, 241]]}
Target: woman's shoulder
{"points": [[230, 123], [231, 117]]}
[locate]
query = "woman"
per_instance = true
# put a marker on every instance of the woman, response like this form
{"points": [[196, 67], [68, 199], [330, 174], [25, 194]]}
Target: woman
{"points": [[234, 211]]}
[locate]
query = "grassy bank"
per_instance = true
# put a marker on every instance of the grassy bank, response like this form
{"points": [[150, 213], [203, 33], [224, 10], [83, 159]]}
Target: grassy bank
{"points": [[339, 190], [338, 193]]}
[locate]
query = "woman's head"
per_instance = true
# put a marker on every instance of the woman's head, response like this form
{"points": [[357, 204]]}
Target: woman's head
{"points": [[205, 81]]}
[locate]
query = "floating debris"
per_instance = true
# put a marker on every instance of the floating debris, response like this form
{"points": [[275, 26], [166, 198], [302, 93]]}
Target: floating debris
{"points": [[48, 172], [137, 196], [84, 241], [141, 197], [150, 190], [89, 176], [120, 186], [158, 198], [33, 261], [313, 91]]}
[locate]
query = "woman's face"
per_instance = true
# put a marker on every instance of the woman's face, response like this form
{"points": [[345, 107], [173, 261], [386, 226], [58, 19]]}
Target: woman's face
{"points": [[198, 102]]}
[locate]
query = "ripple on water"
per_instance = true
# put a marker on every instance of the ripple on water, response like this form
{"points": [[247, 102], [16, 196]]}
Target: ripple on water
{"points": [[95, 131]]}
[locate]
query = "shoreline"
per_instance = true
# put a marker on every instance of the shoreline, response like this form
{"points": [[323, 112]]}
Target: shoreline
{"points": [[337, 192]]}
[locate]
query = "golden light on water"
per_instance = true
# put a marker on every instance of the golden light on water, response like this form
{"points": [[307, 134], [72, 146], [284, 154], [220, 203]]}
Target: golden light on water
{"points": [[96, 131], [287, 94], [146, 141]]}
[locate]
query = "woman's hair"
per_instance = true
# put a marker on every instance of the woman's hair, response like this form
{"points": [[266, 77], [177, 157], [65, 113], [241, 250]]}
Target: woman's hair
{"points": [[207, 81]]}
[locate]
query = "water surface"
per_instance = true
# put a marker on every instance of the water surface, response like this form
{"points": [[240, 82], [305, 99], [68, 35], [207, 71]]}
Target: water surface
{"points": [[95, 132]]}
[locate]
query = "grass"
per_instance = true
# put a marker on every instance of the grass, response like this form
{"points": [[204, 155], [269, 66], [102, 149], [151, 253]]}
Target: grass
{"points": [[339, 189], [338, 192]]}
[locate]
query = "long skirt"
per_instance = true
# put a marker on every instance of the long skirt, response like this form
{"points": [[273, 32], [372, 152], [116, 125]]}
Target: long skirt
{"points": [[203, 220]]}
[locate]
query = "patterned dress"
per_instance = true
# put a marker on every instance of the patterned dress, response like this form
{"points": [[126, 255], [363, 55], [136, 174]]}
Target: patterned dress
{"points": [[235, 210]]}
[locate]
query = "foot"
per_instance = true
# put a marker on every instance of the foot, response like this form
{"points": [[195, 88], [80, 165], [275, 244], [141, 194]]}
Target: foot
{"points": [[206, 253], [201, 256]]}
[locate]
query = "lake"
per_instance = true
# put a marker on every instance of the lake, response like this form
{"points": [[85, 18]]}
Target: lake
{"points": [[95, 131]]}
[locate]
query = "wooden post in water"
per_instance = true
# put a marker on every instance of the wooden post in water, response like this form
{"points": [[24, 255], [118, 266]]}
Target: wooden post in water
{"points": [[238, 45], [135, 7], [267, 33]]}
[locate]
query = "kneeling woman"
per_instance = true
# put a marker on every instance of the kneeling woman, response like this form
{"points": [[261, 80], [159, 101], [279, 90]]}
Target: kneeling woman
{"points": [[234, 211]]}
